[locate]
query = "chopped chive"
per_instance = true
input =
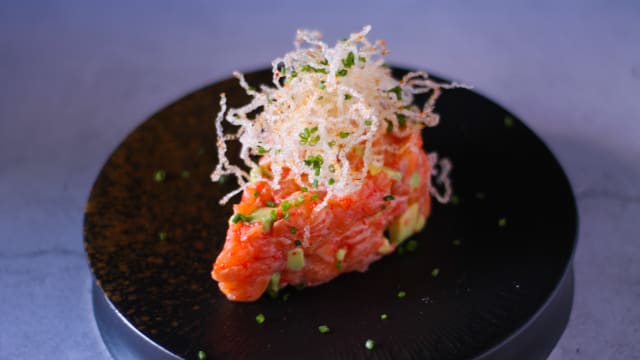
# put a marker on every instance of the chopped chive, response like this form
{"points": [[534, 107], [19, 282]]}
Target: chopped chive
{"points": [[286, 205], [347, 96], [384, 65], [349, 60], [407, 107], [323, 329], [286, 216], [185, 174], [293, 229], [162, 236], [331, 181], [368, 122], [223, 179], [401, 294], [502, 222], [294, 74], [315, 183], [388, 198], [273, 215], [314, 196], [300, 200], [271, 204], [343, 134], [251, 88], [362, 59], [332, 143], [396, 90], [389, 125], [412, 245], [339, 264], [456, 242], [239, 217], [332, 168], [508, 121], [160, 175], [304, 189], [324, 62], [369, 344], [384, 317], [309, 68], [202, 355], [402, 119], [298, 242], [262, 150], [260, 318], [256, 194], [323, 85], [342, 72]]}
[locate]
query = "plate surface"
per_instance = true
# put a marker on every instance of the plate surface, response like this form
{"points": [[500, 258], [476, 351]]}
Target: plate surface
{"points": [[503, 250]]}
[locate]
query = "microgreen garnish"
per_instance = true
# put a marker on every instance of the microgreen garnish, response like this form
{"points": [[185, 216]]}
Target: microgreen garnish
{"points": [[271, 204]]}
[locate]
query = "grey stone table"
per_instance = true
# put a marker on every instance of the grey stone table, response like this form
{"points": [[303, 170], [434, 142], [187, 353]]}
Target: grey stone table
{"points": [[77, 76]]}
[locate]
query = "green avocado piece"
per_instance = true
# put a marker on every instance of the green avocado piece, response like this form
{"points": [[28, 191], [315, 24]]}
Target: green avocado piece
{"points": [[394, 174], [414, 181], [404, 225], [295, 259], [274, 285], [263, 215]]}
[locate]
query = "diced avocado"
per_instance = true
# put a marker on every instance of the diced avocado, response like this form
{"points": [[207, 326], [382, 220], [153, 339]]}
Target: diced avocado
{"points": [[394, 174], [385, 248], [264, 215], [421, 221], [257, 173], [404, 226], [414, 181], [340, 254], [374, 169], [295, 259], [274, 285]]}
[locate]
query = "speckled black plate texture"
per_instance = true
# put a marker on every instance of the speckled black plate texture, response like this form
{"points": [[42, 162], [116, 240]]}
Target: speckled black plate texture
{"points": [[503, 249]]}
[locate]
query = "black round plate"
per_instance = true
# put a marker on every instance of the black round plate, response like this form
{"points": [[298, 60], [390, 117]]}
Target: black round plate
{"points": [[503, 249]]}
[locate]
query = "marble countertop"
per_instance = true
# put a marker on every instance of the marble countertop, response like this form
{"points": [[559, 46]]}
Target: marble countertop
{"points": [[77, 76]]}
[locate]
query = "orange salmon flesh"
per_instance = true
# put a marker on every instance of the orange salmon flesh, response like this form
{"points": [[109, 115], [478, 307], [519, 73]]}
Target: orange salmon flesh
{"points": [[346, 235]]}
